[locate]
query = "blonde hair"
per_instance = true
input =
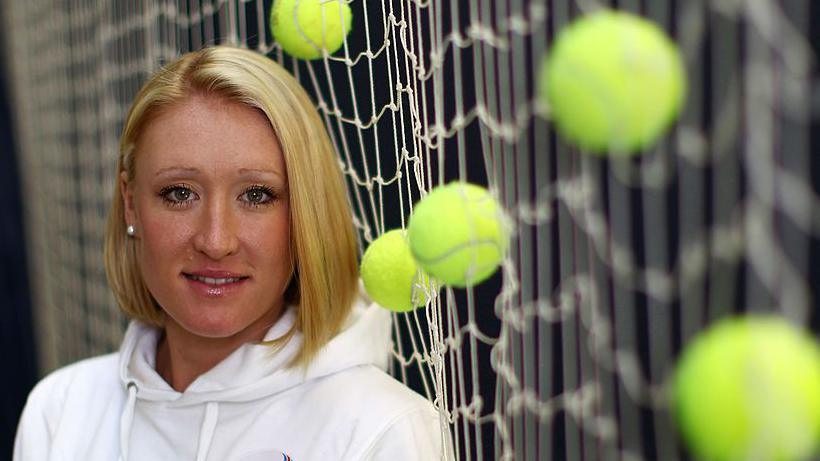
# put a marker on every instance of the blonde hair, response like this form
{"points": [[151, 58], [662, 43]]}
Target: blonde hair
{"points": [[322, 236]]}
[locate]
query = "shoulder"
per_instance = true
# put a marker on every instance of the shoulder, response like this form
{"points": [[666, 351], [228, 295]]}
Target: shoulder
{"points": [[409, 425], [384, 396], [61, 401], [384, 416], [95, 368], [73, 385], [85, 375]]}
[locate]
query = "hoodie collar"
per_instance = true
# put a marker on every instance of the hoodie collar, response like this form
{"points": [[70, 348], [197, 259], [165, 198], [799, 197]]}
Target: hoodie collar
{"points": [[254, 370]]}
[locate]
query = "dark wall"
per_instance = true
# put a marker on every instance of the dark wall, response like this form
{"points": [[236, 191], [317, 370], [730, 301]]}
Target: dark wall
{"points": [[814, 258], [16, 332]]}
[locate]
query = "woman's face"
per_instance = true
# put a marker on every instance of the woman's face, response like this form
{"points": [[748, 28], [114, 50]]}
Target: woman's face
{"points": [[209, 201]]}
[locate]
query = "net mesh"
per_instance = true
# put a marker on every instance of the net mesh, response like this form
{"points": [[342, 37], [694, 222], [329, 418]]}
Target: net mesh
{"points": [[614, 265]]}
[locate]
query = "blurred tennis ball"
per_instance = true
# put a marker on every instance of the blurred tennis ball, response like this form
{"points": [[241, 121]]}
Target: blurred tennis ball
{"points": [[749, 388], [458, 234], [306, 27], [391, 276], [613, 81]]}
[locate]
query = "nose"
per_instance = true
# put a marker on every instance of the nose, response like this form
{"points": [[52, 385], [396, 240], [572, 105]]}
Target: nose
{"points": [[217, 230]]}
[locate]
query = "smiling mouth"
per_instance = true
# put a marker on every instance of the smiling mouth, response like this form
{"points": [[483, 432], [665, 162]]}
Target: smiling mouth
{"points": [[214, 281]]}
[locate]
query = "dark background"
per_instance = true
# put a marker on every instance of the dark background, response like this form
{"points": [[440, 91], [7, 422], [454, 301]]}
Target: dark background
{"points": [[16, 332]]}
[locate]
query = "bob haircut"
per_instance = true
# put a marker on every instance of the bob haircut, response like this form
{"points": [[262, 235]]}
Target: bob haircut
{"points": [[323, 242]]}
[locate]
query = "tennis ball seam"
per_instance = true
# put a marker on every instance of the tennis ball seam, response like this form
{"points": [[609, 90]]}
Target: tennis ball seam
{"points": [[467, 245], [457, 234]]}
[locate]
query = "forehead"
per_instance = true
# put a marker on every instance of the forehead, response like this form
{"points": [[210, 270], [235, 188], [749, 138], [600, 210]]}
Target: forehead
{"points": [[209, 133]]}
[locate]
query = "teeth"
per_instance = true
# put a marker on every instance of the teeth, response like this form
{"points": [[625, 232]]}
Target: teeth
{"points": [[213, 281]]}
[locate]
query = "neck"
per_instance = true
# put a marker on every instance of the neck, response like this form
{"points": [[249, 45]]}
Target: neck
{"points": [[183, 356]]}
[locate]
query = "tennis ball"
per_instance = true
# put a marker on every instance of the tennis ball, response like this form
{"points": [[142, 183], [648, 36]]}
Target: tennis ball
{"points": [[749, 388], [304, 28], [458, 234], [613, 81], [391, 276]]}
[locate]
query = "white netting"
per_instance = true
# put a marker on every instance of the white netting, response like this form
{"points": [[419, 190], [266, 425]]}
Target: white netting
{"points": [[614, 265]]}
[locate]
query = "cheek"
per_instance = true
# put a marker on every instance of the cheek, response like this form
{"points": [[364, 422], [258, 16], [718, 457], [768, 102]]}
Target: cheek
{"points": [[162, 235], [270, 238]]}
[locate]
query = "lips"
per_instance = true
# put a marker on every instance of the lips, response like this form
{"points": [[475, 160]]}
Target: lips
{"points": [[213, 280], [215, 283]]}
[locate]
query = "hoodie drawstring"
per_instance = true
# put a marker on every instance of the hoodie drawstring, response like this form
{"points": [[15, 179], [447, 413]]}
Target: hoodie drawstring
{"points": [[126, 421], [206, 433]]}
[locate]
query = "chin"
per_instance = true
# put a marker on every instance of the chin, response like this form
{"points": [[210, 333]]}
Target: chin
{"points": [[210, 327], [218, 318]]}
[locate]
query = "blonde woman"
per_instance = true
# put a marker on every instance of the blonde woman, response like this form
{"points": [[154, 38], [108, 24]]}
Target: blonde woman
{"points": [[230, 244]]}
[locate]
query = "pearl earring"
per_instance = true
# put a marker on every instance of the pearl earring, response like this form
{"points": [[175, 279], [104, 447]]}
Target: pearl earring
{"points": [[131, 230]]}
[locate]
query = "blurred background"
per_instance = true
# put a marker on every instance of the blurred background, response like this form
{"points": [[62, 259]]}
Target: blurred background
{"points": [[615, 263]]}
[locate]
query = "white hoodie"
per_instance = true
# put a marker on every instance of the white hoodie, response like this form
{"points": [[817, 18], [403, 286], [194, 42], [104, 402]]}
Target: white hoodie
{"points": [[247, 408]]}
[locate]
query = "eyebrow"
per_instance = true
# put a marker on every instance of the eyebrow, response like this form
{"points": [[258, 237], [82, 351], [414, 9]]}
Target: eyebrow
{"points": [[260, 170], [176, 170]]}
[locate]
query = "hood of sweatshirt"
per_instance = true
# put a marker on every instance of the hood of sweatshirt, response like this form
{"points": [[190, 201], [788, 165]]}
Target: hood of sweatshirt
{"points": [[251, 372]]}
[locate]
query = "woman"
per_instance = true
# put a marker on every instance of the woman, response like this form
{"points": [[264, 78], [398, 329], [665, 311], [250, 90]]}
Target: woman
{"points": [[230, 243]]}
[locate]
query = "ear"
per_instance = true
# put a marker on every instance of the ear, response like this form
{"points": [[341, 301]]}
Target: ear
{"points": [[127, 192]]}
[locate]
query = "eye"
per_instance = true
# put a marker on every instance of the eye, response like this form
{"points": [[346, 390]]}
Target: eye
{"points": [[177, 195], [258, 195]]}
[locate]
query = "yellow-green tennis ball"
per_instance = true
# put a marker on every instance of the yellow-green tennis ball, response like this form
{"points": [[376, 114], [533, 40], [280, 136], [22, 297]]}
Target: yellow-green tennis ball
{"points": [[391, 276], [613, 81], [458, 234], [304, 28], [749, 388]]}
